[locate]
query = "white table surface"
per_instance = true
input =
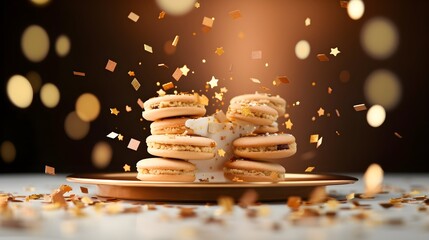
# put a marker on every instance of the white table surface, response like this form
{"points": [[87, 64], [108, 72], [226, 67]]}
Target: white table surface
{"points": [[406, 222]]}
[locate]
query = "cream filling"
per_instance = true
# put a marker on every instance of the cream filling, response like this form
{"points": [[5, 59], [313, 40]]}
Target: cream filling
{"points": [[254, 173], [263, 148], [249, 113], [167, 104], [180, 129], [175, 147], [259, 102], [165, 172]]}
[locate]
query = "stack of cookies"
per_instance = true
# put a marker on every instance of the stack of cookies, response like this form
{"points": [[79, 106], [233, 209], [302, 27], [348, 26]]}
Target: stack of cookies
{"points": [[171, 141], [255, 154]]}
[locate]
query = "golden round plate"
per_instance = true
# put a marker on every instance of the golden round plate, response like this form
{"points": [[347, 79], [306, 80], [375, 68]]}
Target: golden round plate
{"points": [[127, 186]]}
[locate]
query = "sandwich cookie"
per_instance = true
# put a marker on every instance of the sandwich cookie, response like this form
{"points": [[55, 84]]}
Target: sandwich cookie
{"points": [[253, 114], [181, 147], [253, 171], [170, 126], [273, 128], [165, 170], [172, 106], [276, 102], [265, 147]]}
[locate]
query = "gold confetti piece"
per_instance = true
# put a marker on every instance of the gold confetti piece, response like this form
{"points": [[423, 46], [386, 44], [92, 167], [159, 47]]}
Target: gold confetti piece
{"points": [[135, 83], [319, 142], [84, 190], [224, 90], [126, 168], [175, 41], [288, 124], [161, 15], [167, 86], [219, 96], [202, 99], [236, 14], [294, 202], [128, 108], [120, 137], [197, 5], [322, 57], [133, 17], [256, 54], [335, 51], [318, 195], [221, 152], [309, 169], [255, 80], [148, 48], [213, 82], [57, 195], [397, 135], [307, 22], [177, 74], [133, 144], [344, 4], [321, 112], [110, 66], [350, 196], [112, 135], [131, 73], [162, 65], [337, 112], [114, 111], [282, 79], [338, 133], [184, 70], [160, 92], [49, 170], [208, 22], [140, 103], [219, 51], [329, 90], [226, 203], [314, 138], [82, 74], [359, 107]]}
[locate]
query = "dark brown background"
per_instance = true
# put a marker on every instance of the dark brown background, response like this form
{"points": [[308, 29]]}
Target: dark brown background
{"points": [[100, 30]]}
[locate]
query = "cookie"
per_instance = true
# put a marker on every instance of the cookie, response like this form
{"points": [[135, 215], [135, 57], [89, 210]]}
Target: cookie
{"points": [[252, 114], [253, 171], [276, 102], [165, 170], [170, 126]]}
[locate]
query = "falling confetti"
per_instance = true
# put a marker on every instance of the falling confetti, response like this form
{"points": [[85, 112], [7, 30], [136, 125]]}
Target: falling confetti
{"points": [[213, 82], [160, 92], [112, 135], [111, 65], [81, 74], [288, 124], [334, 51], [49, 170], [219, 51], [314, 138], [162, 65], [319, 142], [131, 73], [223, 90], [337, 112], [208, 22], [148, 48], [321, 112], [133, 144], [255, 80], [309, 169], [184, 70], [135, 83], [397, 135], [167, 86], [161, 15], [256, 54], [177, 74], [307, 22], [126, 168], [128, 108], [140, 103], [282, 79], [221, 152], [322, 57], [133, 17], [114, 111], [219, 96], [329, 90], [197, 5], [359, 107], [84, 190], [120, 137], [175, 41], [236, 14]]}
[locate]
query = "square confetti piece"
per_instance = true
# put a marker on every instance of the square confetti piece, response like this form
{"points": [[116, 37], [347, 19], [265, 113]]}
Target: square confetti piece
{"points": [[359, 107], [111, 65], [135, 83], [148, 48], [314, 138], [112, 135], [236, 14], [283, 79], [133, 17], [133, 144], [177, 74], [208, 22], [322, 57], [49, 170], [256, 54], [167, 86]]}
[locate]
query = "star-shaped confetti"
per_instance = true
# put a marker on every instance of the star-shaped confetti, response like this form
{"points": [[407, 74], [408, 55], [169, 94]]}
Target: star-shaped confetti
{"points": [[307, 22], [334, 51], [160, 92], [221, 152], [224, 90], [219, 96], [213, 82], [126, 168], [121, 137], [114, 111], [219, 51], [321, 112], [131, 73], [197, 5], [289, 124], [184, 70]]}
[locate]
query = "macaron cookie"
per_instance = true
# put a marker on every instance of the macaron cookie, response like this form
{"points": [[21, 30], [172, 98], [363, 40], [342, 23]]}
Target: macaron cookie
{"points": [[276, 102], [265, 147], [273, 128], [165, 170], [181, 146], [253, 171], [170, 126], [171, 105], [252, 114]]}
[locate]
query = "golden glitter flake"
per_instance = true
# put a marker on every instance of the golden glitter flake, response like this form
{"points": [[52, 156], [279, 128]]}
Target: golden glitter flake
{"points": [[121, 137], [131, 73], [337, 112], [126, 168], [307, 22], [254, 80], [147, 48], [133, 17], [135, 83], [213, 82], [160, 92], [219, 51], [161, 15], [397, 135], [167, 86], [359, 107], [314, 138], [81, 74], [128, 108], [184, 70], [321, 112], [221, 152], [197, 5], [110, 66], [335, 51], [177, 74], [322, 57], [49, 170], [309, 169], [288, 124], [319, 142], [236, 14], [114, 111], [175, 41], [162, 65], [329, 90]]}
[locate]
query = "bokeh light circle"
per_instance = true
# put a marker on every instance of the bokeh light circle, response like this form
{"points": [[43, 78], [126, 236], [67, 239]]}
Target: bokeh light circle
{"points": [[176, 7], [87, 107], [49, 95], [74, 127], [101, 155], [355, 9], [62, 46], [40, 2], [379, 38], [7, 151], [383, 87], [35, 43], [35, 80], [19, 91], [302, 49], [376, 116]]}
